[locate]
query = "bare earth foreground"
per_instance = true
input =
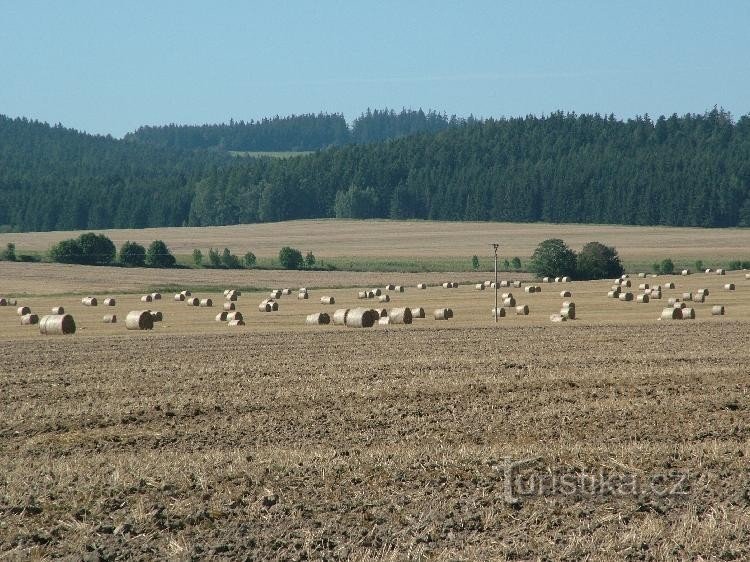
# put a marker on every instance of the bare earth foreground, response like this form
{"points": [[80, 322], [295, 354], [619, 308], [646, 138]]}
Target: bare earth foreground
{"points": [[615, 436]]}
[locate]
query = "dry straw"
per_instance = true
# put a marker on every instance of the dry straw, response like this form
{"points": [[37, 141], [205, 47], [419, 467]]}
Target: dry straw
{"points": [[400, 315], [58, 310], [179, 297], [509, 302], [717, 310], [479, 286], [671, 313], [642, 298], [57, 324], [384, 321], [228, 306], [688, 313], [339, 317], [29, 319], [89, 301], [236, 323], [421, 286], [156, 296], [109, 301], [390, 287], [441, 314], [146, 298], [192, 301], [685, 272], [626, 297], [234, 316], [729, 287], [3, 301], [109, 319], [23, 310], [522, 310], [157, 316], [557, 318], [360, 318], [565, 294], [139, 320], [318, 318], [499, 312], [669, 285], [384, 298], [530, 289], [206, 303], [286, 291], [303, 296], [417, 312], [222, 316], [276, 294], [185, 293]]}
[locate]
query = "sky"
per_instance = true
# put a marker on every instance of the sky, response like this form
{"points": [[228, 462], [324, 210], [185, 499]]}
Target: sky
{"points": [[110, 67]]}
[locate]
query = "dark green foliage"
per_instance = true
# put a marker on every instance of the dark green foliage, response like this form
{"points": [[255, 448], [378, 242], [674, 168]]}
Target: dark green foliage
{"points": [[516, 263], [309, 260], [197, 257], [28, 259], [66, 251], [96, 249], [692, 170], [158, 255], [250, 260], [9, 254], [290, 258], [597, 261], [552, 258], [666, 267], [214, 257], [229, 260], [739, 264], [132, 254], [475, 262], [506, 265], [699, 265], [656, 267]]}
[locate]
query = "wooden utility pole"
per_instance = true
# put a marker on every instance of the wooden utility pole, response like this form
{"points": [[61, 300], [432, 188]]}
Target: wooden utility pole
{"points": [[495, 246]]}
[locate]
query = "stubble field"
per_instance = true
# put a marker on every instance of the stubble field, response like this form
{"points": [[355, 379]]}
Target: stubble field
{"points": [[614, 436]]}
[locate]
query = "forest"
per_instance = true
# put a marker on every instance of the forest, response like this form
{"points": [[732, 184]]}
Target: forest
{"points": [[689, 170]]}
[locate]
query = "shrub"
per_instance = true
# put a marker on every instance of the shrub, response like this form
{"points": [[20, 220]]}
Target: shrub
{"points": [[309, 260], [699, 265], [96, 249], [66, 251], [516, 263], [158, 255], [230, 261], [597, 261], [553, 258], [197, 257], [506, 265], [9, 254], [475, 262], [132, 254], [290, 258], [250, 259], [214, 258], [656, 267], [667, 266]]}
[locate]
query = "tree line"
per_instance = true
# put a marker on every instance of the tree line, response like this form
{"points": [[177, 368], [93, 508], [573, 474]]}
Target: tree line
{"points": [[690, 170], [305, 132]]}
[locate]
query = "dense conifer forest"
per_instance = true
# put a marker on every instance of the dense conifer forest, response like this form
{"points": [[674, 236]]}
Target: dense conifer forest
{"points": [[690, 170]]}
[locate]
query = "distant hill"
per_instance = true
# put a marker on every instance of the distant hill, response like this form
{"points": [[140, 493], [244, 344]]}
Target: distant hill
{"points": [[296, 133], [692, 170]]}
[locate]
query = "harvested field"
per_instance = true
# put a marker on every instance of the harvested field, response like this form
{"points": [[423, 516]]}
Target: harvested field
{"points": [[246, 450], [612, 436]]}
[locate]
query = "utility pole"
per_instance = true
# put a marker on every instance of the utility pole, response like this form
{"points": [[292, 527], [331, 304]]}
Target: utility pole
{"points": [[495, 246]]}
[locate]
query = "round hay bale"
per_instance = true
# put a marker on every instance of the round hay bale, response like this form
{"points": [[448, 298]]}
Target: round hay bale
{"points": [[492, 285], [546, 280], [720, 272], [384, 298], [530, 289], [265, 307], [613, 294], [390, 287], [109, 319], [506, 295], [447, 285], [156, 296], [29, 319], [454, 285], [23, 310], [362, 295], [685, 272], [58, 310], [679, 305], [449, 312], [231, 297], [3, 301], [421, 286], [479, 286], [565, 294], [441, 314], [226, 292], [499, 312], [747, 275], [566, 279], [655, 294], [669, 285], [399, 288], [89, 301], [192, 301], [302, 290], [522, 310], [688, 314], [235, 315], [109, 301], [699, 297], [729, 287], [643, 286], [318, 318], [370, 294], [687, 296], [381, 312], [139, 320], [339, 317], [376, 292], [222, 316], [417, 312], [238, 322], [179, 297], [647, 291], [505, 283], [517, 284], [276, 294], [509, 302], [185, 293], [672, 300], [568, 312], [537, 289], [400, 315], [360, 318], [157, 316], [717, 310], [384, 321], [671, 313], [206, 303], [558, 279], [708, 270], [641, 275], [57, 324], [286, 291], [625, 283], [487, 283], [642, 298], [557, 318], [703, 292], [146, 298], [626, 297], [228, 306], [303, 296]]}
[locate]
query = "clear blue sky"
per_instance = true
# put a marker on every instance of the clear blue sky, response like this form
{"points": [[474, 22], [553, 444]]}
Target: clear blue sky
{"points": [[108, 67]]}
